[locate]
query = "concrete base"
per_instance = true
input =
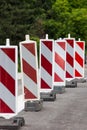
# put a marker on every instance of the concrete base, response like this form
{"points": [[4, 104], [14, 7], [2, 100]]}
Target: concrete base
{"points": [[48, 96], [12, 124], [9, 127], [71, 84], [81, 80], [59, 89], [34, 105]]}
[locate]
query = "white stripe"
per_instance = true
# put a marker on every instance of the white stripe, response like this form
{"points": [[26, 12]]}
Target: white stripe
{"points": [[70, 50], [79, 51], [60, 72], [30, 85], [7, 64], [79, 68], [60, 51], [7, 97], [46, 52], [69, 69], [28, 57], [46, 77]]}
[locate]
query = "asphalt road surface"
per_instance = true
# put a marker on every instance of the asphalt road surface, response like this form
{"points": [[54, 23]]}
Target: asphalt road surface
{"points": [[68, 112]]}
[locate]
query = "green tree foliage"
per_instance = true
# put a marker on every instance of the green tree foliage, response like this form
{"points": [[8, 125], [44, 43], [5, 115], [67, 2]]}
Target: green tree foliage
{"points": [[60, 14], [67, 16], [78, 23], [21, 17], [78, 3], [36, 18]]}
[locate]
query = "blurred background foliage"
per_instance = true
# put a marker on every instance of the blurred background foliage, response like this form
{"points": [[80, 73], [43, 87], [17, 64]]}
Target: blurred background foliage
{"points": [[39, 17], [36, 18]]}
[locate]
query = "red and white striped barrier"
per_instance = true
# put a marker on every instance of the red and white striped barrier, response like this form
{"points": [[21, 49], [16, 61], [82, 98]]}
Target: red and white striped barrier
{"points": [[70, 56], [59, 62], [29, 65], [8, 80], [46, 64], [79, 59]]}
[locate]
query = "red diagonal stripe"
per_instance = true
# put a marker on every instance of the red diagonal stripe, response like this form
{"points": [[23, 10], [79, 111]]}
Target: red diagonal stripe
{"points": [[59, 60], [29, 71], [46, 65], [48, 44], [57, 78], [30, 47], [69, 59], [68, 75], [79, 59], [28, 94], [7, 80], [10, 52], [44, 85], [61, 44], [70, 42], [80, 44], [4, 108], [77, 74]]}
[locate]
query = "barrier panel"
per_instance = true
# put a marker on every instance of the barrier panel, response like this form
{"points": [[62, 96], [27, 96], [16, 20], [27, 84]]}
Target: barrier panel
{"points": [[70, 56], [29, 66], [8, 80], [59, 62], [46, 64], [79, 58]]}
